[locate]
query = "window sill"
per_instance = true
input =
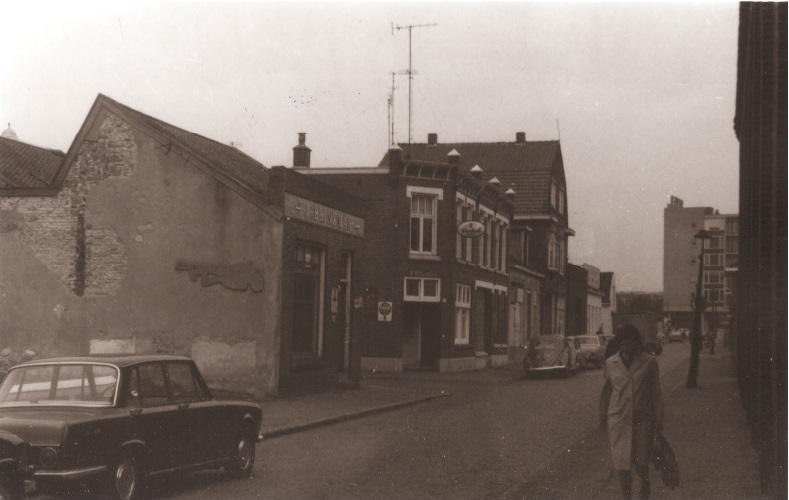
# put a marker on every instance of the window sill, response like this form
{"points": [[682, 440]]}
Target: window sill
{"points": [[432, 258]]}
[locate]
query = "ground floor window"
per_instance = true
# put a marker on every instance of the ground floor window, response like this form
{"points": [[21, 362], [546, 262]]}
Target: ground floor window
{"points": [[308, 271], [422, 290], [462, 313]]}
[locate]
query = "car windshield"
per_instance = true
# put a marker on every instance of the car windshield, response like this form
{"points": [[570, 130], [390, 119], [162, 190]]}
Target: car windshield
{"points": [[68, 384]]}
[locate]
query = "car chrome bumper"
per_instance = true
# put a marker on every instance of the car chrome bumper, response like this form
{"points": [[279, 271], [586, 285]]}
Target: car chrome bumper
{"points": [[545, 368], [69, 475]]}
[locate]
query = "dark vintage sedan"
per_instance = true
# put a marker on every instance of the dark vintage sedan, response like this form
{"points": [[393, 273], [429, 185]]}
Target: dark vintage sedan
{"points": [[117, 421]]}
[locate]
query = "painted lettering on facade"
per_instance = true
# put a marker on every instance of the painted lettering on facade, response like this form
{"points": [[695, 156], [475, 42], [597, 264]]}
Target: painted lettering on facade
{"points": [[321, 215]]}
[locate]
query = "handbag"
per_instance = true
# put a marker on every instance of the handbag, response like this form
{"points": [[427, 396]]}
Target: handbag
{"points": [[665, 461]]}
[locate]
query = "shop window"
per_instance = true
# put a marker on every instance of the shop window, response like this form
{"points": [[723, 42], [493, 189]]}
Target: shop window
{"points": [[462, 314], [423, 224], [307, 300], [422, 290]]}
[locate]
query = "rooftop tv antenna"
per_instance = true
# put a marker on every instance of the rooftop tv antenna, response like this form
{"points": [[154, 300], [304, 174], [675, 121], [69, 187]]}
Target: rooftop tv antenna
{"points": [[391, 108], [410, 72]]}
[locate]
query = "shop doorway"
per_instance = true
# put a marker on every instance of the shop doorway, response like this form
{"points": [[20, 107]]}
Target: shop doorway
{"points": [[344, 314], [421, 335]]}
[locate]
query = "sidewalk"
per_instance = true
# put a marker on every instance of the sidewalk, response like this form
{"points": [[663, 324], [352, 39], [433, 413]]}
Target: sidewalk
{"points": [[377, 393], [706, 428]]}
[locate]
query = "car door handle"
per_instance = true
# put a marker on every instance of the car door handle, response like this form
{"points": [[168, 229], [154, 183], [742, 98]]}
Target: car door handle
{"points": [[183, 406]]}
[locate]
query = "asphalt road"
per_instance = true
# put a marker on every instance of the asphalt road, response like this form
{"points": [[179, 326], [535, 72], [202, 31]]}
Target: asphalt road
{"points": [[485, 441]]}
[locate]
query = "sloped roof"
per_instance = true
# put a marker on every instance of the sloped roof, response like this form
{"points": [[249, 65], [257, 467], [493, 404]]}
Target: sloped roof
{"points": [[224, 158], [524, 167], [25, 167]]}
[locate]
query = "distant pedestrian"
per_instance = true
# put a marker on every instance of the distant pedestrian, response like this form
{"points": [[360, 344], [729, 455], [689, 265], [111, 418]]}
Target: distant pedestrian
{"points": [[631, 408], [713, 336]]}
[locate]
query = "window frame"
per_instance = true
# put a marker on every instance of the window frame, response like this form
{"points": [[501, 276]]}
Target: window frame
{"points": [[462, 314], [319, 280], [434, 195], [421, 297]]}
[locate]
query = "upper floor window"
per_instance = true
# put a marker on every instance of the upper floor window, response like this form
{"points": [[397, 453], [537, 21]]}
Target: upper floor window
{"points": [[713, 259], [554, 194], [553, 252], [715, 241], [732, 226], [561, 201], [732, 244], [423, 224]]}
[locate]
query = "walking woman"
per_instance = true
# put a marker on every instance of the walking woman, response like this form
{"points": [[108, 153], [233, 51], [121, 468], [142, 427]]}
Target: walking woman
{"points": [[631, 408]]}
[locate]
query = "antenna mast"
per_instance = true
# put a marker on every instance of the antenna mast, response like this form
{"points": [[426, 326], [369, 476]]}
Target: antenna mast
{"points": [[410, 72]]}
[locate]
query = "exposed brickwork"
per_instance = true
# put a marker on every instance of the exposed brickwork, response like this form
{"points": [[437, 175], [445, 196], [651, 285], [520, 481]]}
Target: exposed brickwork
{"points": [[89, 261]]}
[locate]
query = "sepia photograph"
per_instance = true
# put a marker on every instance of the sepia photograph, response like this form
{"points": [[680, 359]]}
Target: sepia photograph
{"points": [[377, 250]]}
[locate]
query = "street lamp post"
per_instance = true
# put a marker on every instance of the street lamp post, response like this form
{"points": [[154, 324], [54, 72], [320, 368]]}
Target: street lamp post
{"points": [[699, 304]]}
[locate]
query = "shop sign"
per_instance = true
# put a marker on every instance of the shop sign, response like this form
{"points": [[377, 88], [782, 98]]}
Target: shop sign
{"points": [[384, 311], [471, 229], [321, 215]]}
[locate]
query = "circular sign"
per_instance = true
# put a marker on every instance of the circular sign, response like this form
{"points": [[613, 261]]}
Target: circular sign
{"points": [[385, 308], [471, 229]]}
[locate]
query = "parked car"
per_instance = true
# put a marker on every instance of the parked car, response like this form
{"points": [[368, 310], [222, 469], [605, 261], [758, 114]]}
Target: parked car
{"points": [[594, 347], [551, 354], [116, 421], [675, 336]]}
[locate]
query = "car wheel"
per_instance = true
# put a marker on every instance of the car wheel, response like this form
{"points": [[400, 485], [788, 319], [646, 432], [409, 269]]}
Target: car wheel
{"points": [[243, 457], [127, 478]]}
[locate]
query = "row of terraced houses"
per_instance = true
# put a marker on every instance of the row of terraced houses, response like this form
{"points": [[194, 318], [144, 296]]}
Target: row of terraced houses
{"points": [[144, 237]]}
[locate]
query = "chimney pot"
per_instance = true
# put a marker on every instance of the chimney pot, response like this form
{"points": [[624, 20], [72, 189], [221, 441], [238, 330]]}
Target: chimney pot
{"points": [[301, 153], [510, 193], [520, 137], [432, 139], [453, 157], [476, 172], [495, 181]]}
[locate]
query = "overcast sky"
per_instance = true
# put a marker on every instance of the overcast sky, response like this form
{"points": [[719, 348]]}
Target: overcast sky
{"points": [[642, 94]]}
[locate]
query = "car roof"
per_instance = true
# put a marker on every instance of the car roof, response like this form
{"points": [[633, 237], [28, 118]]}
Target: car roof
{"points": [[119, 360]]}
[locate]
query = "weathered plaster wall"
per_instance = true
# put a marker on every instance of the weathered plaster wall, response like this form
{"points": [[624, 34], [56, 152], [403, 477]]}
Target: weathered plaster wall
{"points": [[96, 266]]}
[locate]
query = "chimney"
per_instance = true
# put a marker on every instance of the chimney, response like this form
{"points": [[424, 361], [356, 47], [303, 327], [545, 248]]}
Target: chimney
{"points": [[301, 153], [395, 160], [510, 194], [432, 139], [520, 137], [495, 182], [476, 172], [453, 157]]}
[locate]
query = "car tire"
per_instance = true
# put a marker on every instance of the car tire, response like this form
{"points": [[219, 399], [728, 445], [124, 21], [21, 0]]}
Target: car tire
{"points": [[127, 478], [243, 457]]}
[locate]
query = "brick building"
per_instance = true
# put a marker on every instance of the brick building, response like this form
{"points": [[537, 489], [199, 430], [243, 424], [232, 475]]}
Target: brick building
{"points": [[435, 299], [540, 227], [761, 305], [150, 238]]}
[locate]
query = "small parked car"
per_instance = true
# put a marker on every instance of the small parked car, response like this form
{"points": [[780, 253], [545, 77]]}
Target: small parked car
{"points": [[594, 347], [551, 354], [117, 421], [675, 336]]}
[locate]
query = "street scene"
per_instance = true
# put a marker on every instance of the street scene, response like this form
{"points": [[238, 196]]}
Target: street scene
{"points": [[393, 250]]}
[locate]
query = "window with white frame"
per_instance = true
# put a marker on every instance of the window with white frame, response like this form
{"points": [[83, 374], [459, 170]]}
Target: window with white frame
{"points": [[553, 194], [494, 244], [505, 236], [713, 296], [462, 313], [459, 213], [715, 241], [422, 290], [423, 224], [561, 256], [553, 251], [488, 240], [713, 259], [713, 278], [561, 201], [469, 244]]}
